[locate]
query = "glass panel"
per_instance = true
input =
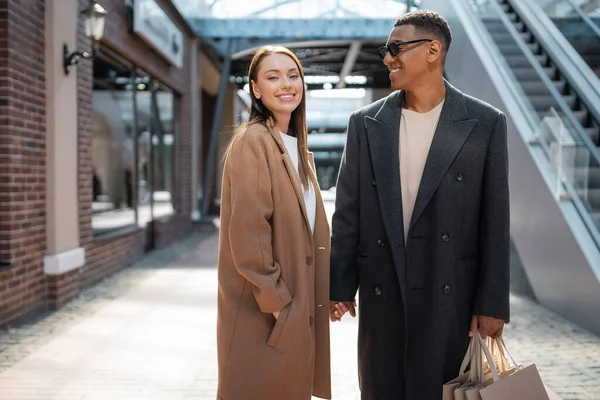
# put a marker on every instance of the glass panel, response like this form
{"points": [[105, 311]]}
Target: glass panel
{"points": [[144, 125], [573, 165], [112, 146], [296, 9], [163, 151]]}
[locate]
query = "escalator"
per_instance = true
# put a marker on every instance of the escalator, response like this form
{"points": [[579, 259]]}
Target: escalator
{"points": [[587, 44], [538, 61]]}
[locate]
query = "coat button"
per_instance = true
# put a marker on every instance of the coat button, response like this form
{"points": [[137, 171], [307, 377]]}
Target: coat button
{"points": [[380, 243], [377, 290], [311, 320], [459, 177], [446, 237], [309, 260], [447, 289]]}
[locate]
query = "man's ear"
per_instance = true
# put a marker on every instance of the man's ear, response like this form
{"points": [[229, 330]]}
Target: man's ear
{"points": [[435, 51]]}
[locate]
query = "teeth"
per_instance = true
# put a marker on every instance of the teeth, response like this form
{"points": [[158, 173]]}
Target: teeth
{"points": [[287, 96], [394, 70]]}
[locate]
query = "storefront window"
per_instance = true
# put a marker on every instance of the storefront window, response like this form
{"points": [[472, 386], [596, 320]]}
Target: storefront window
{"points": [[132, 111], [156, 140], [163, 151], [112, 146]]}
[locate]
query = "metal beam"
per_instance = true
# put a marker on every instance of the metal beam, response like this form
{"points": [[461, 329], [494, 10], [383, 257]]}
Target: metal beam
{"points": [[214, 137], [348, 66], [293, 29], [272, 7], [246, 47], [592, 5], [323, 57]]}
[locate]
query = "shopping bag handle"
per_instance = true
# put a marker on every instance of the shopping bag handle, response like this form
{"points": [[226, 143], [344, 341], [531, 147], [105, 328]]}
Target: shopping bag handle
{"points": [[505, 352], [489, 357], [466, 359], [498, 353]]}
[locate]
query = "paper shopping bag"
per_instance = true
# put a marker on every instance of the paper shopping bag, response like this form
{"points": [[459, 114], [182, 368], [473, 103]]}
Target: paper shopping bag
{"points": [[494, 350], [456, 388], [523, 384], [473, 393], [449, 387], [518, 384]]}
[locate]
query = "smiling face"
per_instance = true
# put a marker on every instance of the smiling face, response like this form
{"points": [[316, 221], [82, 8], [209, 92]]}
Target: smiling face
{"points": [[415, 62], [278, 85]]}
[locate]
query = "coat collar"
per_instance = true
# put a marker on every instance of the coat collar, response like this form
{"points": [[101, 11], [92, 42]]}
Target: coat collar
{"points": [[453, 129]]}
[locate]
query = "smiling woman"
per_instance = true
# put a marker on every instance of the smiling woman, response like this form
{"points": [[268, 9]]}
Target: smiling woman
{"points": [[273, 314]]}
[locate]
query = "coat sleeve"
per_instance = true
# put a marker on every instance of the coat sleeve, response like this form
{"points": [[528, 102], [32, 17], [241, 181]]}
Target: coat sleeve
{"points": [[344, 239], [492, 298], [249, 225]]}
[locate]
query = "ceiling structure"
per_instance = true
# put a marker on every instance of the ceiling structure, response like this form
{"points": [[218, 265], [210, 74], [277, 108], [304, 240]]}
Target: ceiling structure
{"points": [[336, 40]]}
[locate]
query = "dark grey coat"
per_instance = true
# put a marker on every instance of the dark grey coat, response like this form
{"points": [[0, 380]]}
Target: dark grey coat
{"points": [[416, 300]]}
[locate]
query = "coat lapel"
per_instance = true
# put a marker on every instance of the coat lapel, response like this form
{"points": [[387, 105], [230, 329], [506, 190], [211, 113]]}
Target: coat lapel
{"points": [[320, 214], [383, 137], [453, 129], [293, 175]]}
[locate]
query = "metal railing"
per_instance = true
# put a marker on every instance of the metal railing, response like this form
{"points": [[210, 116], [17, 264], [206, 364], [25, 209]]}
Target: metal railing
{"points": [[582, 79]]}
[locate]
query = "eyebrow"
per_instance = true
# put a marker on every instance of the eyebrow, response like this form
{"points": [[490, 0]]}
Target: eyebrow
{"points": [[276, 70]]}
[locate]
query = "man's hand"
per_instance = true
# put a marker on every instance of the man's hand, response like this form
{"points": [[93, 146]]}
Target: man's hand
{"points": [[488, 326], [337, 309]]}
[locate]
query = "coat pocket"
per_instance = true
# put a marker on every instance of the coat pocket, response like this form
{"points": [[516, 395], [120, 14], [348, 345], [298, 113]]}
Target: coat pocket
{"points": [[279, 325]]}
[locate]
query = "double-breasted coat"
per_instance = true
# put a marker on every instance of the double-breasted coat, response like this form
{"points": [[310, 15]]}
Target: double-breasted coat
{"points": [[270, 261], [416, 298]]}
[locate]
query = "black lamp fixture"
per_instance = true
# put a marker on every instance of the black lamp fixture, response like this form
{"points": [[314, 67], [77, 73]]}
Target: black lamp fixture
{"points": [[94, 17]]}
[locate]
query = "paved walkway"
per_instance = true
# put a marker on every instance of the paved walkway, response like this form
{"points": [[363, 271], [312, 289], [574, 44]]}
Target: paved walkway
{"points": [[148, 333]]}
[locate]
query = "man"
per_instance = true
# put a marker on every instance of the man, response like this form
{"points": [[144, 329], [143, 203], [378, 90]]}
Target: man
{"points": [[421, 226]]}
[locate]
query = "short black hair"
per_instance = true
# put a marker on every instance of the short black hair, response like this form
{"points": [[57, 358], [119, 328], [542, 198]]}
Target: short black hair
{"points": [[429, 23]]}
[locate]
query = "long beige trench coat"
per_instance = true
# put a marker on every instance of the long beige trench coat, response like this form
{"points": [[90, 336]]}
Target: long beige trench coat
{"points": [[269, 260]]}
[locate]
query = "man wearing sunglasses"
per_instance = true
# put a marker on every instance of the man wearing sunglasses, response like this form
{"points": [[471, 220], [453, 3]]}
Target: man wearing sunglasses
{"points": [[421, 226]]}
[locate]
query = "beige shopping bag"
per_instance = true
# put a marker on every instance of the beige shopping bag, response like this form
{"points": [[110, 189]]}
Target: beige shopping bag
{"points": [[494, 351], [461, 379], [456, 389], [517, 383], [523, 384], [479, 370]]}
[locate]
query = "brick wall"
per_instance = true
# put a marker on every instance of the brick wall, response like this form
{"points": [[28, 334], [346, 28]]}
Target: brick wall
{"points": [[22, 158], [111, 255], [23, 286]]}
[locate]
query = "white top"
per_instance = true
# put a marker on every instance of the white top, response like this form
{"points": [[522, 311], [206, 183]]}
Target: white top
{"points": [[416, 134], [310, 199]]}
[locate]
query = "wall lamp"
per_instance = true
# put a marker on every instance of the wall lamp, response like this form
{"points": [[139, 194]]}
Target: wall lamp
{"points": [[94, 17]]}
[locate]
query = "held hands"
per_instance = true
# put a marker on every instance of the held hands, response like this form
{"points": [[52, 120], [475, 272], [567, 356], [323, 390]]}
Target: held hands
{"points": [[337, 309], [488, 326]]}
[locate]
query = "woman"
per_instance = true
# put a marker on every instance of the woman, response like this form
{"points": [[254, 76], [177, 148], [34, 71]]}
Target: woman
{"points": [[273, 314]]}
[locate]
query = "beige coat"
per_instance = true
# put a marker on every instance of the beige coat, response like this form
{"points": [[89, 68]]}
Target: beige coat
{"points": [[270, 261]]}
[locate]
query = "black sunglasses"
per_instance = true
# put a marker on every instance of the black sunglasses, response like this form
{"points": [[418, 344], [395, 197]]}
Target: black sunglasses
{"points": [[394, 47]]}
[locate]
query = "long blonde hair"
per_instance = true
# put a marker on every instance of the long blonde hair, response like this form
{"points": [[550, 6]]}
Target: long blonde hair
{"points": [[260, 114]]}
